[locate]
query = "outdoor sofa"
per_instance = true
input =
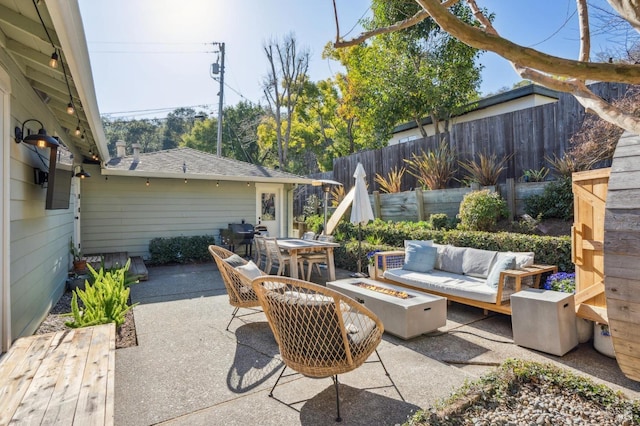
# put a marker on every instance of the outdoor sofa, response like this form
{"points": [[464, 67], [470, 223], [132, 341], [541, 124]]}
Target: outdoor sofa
{"points": [[481, 278]]}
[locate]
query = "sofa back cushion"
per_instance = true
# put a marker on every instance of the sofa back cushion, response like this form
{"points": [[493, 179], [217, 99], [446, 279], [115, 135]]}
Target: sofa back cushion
{"points": [[450, 259], [419, 258], [477, 263]]}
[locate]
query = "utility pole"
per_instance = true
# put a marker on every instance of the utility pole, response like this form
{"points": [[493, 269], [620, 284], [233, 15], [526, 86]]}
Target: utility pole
{"points": [[215, 69]]}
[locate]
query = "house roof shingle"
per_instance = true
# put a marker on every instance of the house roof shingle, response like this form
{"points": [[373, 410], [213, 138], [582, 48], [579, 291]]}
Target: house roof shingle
{"points": [[180, 163]]}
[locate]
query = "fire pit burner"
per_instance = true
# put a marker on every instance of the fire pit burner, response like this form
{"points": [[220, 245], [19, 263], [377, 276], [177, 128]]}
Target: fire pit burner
{"points": [[383, 290]]}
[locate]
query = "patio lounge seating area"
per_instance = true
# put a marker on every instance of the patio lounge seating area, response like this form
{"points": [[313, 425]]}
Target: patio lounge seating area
{"points": [[187, 369]]}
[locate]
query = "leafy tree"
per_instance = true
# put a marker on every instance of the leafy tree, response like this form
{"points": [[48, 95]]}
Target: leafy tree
{"points": [[203, 136], [178, 122], [240, 131], [556, 73], [411, 74]]}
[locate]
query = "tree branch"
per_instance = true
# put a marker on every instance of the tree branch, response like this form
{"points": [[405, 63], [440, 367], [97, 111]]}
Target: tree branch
{"points": [[482, 39], [629, 9], [585, 36]]}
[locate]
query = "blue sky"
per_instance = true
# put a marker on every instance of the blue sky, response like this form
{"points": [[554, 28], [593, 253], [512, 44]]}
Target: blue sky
{"points": [[152, 56]]}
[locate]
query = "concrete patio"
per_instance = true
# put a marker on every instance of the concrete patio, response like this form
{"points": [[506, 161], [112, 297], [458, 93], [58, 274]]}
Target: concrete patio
{"points": [[187, 370]]}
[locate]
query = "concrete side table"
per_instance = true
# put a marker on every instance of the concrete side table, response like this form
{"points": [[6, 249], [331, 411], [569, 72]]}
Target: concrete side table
{"points": [[544, 320]]}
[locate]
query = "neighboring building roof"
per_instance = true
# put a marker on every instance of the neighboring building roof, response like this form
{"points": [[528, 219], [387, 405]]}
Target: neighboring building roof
{"points": [[181, 163], [520, 92]]}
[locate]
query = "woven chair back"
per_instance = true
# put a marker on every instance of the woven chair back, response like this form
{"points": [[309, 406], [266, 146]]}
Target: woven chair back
{"points": [[320, 332], [238, 286]]}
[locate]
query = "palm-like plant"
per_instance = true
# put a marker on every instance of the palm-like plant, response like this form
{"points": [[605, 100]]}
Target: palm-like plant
{"points": [[393, 182], [486, 170], [435, 168], [337, 195]]}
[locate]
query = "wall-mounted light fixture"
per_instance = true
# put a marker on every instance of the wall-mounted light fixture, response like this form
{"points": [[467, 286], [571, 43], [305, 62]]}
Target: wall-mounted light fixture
{"points": [[82, 174], [40, 139]]}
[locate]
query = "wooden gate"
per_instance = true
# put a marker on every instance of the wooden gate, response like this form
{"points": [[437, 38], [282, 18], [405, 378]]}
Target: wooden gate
{"points": [[587, 243]]}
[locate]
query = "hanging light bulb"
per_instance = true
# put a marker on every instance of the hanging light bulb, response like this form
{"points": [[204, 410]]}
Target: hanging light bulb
{"points": [[217, 184], [148, 183], [185, 180], [70, 108], [53, 62]]}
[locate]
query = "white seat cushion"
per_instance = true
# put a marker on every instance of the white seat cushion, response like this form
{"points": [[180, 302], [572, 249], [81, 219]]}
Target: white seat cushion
{"points": [[446, 283]]}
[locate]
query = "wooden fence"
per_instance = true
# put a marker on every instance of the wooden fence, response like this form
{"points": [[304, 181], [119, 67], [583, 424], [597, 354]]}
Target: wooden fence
{"points": [[527, 137], [418, 205]]}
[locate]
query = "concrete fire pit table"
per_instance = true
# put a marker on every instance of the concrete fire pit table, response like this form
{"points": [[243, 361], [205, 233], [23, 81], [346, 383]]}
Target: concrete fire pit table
{"points": [[405, 314]]}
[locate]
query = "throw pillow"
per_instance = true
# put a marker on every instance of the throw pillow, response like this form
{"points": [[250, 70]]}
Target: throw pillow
{"points": [[477, 263], [503, 262], [523, 258], [234, 261], [419, 258], [250, 270], [451, 259], [424, 243]]}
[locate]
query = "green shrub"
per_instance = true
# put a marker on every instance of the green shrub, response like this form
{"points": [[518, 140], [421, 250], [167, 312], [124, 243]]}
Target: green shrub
{"points": [[548, 250], [480, 210], [315, 223], [439, 221], [556, 201], [105, 301], [180, 249]]}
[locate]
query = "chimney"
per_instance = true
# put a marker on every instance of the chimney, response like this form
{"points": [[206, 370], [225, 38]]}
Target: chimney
{"points": [[136, 152], [121, 150]]}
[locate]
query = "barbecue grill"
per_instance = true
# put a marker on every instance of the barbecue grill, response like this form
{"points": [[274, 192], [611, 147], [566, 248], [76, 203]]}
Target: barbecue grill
{"points": [[241, 234]]}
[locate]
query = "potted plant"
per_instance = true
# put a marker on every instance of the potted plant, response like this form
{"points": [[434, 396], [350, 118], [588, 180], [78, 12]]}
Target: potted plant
{"points": [[79, 263], [566, 282], [371, 258]]}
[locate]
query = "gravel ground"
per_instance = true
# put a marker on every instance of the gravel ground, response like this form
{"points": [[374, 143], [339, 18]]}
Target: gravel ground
{"points": [[55, 321]]}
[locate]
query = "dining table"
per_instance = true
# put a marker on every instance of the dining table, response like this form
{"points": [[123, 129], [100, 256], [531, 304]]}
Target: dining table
{"points": [[297, 246]]}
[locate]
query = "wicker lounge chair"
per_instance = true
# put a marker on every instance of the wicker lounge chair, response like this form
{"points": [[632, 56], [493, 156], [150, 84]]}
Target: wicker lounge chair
{"points": [[320, 332], [238, 285]]}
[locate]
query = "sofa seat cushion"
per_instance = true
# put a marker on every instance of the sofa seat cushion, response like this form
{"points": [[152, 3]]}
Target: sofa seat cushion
{"points": [[445, 283]]}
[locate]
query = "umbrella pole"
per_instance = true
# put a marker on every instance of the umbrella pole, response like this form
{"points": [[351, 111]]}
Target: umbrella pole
{"points": [[359, 247]]}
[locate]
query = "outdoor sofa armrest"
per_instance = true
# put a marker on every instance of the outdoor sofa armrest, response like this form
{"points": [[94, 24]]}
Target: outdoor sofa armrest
{"points": [[384, 260], [511, 279]]}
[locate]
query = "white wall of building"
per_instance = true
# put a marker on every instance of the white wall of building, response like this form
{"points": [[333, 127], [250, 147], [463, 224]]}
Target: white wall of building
{"points": [[38, 256], [122, 214]]}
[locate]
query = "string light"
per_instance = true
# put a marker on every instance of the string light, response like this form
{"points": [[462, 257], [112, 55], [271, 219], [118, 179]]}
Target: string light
{"points": [[53, 62], [217, 184], [185, 180], [248, 183], [78, 132], [70, 108], [148, 183]]}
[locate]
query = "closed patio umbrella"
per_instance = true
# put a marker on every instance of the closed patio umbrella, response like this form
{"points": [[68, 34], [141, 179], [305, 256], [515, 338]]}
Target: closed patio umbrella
{"points": [[361, 211]]}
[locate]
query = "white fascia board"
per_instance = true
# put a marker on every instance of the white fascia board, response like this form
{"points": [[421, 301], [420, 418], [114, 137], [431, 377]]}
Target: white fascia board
{"points": [[67, 21], [169, 175]]}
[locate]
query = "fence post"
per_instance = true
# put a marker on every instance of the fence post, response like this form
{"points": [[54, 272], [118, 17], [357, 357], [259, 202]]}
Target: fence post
{"points": [[377, 205], [511, 197], [420, 204]]}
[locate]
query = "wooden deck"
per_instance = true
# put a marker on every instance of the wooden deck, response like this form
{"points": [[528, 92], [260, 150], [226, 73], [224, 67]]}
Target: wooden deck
{"points": [[137, 269], [60, 378]]}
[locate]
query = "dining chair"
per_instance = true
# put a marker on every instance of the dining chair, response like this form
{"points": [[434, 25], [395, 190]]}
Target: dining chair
{"points": [[320, 332], [275, 256], [261, 252], [317, 259]]}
